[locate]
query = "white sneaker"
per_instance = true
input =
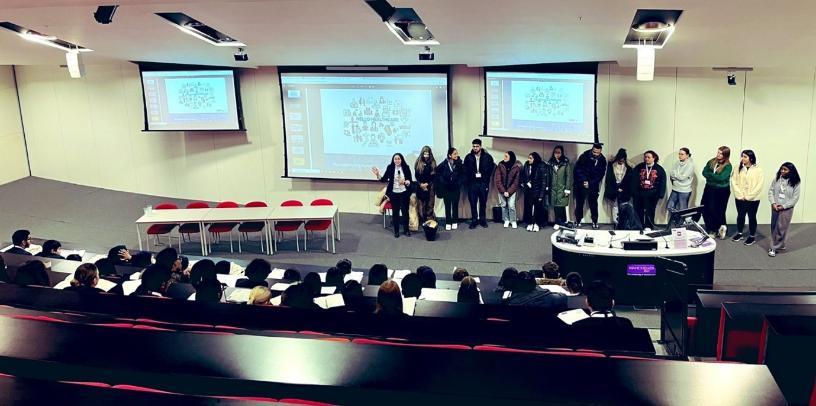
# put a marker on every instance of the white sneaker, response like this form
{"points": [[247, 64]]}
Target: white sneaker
{"points": [[771, 253], [722, 231], [513, 224], [535, 228], [506, 224], [447, 227], [455, 226], [530, 227]]}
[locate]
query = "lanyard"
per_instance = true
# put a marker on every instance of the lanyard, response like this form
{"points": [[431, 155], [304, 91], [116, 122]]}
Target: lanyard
{"points": [[648, 172]]}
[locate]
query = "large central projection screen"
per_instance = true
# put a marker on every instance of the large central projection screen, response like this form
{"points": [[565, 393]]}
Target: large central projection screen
{"points": [[340, 125]]}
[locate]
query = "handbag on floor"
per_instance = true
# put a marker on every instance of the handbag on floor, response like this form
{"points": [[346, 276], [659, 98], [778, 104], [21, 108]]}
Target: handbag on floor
{"points": [[497, 214]]}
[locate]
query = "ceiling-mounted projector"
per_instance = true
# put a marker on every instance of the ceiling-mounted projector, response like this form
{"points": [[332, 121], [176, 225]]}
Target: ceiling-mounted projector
{"points": [[409, 28]]}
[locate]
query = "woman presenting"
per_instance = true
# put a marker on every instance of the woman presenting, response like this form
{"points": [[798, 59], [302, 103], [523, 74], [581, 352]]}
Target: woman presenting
{"points": [[397, 178]]}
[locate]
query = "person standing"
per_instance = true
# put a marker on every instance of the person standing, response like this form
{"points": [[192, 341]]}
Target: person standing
{"points": [[589, 173], [682, 176], [717, 173], [746, 185], [617, 189], [425, 170], [783, 195], [649, 186], [478, 170], [536, 181], [506, 178], [449, 178], [398, 179], [561, 168]]}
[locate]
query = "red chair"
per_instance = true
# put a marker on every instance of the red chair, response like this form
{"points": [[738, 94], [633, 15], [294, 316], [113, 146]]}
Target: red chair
{"points": [[246, 398], [216, 229], [252, 227], [191, 228], [94, 384], [160, 229], [318, 225], [586, 354], [304, 402], [387, 212], [142, 389], [812, 401], [284, 226], [380, 342]]}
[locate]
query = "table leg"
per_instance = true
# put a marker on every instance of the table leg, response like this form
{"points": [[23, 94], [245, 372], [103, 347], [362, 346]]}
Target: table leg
{"points": [[337, 217], [333, 238], [139, 236], [269, 238], [203, 238]]}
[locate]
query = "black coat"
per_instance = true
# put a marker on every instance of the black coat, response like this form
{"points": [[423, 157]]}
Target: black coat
{"points": [[590, 169], [18, 251], [603, 323], [449, 179], [486, 166], [50, 255], [388, 178], [658, 180], [539, 298], [84, 289], [249, 283], [611, 187], [427, 176], [540, 179]]}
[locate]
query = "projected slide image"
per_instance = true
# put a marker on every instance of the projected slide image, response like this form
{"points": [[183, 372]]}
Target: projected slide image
{"points": [[376, 122], [196, 96], [559, 102]]}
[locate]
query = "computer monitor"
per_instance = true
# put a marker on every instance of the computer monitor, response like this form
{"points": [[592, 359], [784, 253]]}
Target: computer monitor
{"points": [[681, 216]]}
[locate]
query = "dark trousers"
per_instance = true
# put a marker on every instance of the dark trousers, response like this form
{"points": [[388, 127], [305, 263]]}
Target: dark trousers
{"points": [[645, 206], [535, 212], [591, 196], [451, 199], [560, 213], [399, 209], [477, 193], [715, 202], [749, 207]]}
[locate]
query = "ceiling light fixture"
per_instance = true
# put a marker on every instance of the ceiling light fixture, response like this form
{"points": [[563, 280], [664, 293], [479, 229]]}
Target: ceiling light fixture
{"points": [[196, 33], [198, 29], [50, 41]]}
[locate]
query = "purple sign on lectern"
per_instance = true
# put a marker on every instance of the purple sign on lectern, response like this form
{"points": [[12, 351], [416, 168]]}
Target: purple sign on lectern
{"points": [[641, 270]]}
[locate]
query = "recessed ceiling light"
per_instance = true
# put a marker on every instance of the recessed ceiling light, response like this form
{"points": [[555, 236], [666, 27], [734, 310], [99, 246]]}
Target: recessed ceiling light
{"points": [[191, 26], [40, 38], [652, 27]]}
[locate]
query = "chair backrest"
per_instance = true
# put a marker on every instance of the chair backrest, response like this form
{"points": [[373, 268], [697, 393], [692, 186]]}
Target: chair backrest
{"points": [[256, 204], [198, 205], [227, 205], [165, 206], [322, 202], [290, 203]]}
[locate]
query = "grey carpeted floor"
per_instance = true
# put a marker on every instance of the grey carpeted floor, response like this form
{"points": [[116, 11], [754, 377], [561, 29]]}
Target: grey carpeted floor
{"points": [[96, 219]]}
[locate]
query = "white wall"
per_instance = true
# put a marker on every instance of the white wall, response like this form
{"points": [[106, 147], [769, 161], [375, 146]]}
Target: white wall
{"points": [[88, 131], [13, 161]]}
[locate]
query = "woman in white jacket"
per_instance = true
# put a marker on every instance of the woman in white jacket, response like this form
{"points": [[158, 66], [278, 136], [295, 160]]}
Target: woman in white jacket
{"points": [[746, 186], [682, 176], [783, 195]]}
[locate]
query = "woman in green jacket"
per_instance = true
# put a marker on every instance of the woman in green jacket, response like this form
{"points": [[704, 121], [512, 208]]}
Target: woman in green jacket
{"points": [[717, 174], [562, 182]]}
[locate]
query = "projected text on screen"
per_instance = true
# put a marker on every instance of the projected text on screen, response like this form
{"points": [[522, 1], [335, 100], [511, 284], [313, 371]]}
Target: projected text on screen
{"points": [[340, 125], [190, 100]]}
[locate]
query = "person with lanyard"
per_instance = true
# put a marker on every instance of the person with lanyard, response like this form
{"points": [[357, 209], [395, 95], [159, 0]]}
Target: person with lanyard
{"points": [[448, 181], [746, 185], [783, 195], [398, 179], [478, 170], [562, 184], [649, 186], [618, 180], [425, 170], [589, 173], [717, 173], [506, 179]]}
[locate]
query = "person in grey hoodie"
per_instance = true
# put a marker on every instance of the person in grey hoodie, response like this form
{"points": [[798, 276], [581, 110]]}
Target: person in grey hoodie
{"points": [[783, 195], [682, 176]]}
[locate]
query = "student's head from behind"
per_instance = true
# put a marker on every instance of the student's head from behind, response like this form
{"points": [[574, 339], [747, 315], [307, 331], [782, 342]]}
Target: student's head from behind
{"points": [[377, 274], [600, 296], [312, 283], [21, 238], [298, 296], [105, 267], [525, 282], [156, 278], [352, 292], [551, 270], [291, 275], [508, 278], [52, 247], [202, 270], [209, 291], [334, 277], [459, 274], [86, 275], [389, 299], [259, 295], [118, 253], [411, 285], [468, 291], [223, 267], [169, 258], [427, 276], [185, 262], [74, 257], [32, 273], [575, 284], [344, 265], [258, 270]]}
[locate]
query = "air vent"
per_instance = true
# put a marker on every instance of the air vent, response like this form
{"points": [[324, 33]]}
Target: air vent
{"points": [[204, 32], [651, 27]]}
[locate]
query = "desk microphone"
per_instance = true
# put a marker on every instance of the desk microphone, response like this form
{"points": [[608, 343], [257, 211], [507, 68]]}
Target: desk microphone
{"points": [[558, 227]]}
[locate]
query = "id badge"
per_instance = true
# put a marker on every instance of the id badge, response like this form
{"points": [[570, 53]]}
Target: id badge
{"points": [[647, 182], [781, 195], [478, 175]]}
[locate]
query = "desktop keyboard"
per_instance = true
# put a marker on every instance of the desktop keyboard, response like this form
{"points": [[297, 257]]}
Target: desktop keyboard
{"points": [[659, 233]]}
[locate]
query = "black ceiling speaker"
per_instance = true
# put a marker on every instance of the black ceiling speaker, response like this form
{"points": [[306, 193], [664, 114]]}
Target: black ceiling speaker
{"points": [[104, 14]]}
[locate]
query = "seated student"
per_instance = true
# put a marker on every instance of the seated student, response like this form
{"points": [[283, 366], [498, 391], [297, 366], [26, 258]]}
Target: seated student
{"points": [[334, 277], [74, 257], [3, 274], [344, 265], [313, 284], [105, 267], [389, 299], [256, 273], [508, 278], [155, 281], [32, 273], [119, 255], [300, 296], [202, 270], [85, 279], [141, 259], [209, 291], [223, 267], [291, 275], [411, 285], [601, 300], [353, 297], [468, 291], [185, 268], [427, 276], [51, 249], [259, 295], [169, 258], [550, 275], [459, 274], [574, 284], [21, 239], [377, 274], [525, 293]]}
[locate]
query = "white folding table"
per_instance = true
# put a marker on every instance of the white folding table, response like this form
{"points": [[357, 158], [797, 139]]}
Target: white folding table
{"points": [[174, 216], [240, 215], [305, 213]]}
